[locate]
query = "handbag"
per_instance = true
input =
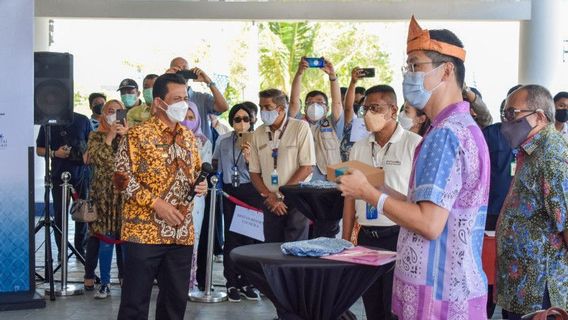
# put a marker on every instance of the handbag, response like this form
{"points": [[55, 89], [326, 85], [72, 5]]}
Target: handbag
{"points": [[84, 210], [557, 313]]}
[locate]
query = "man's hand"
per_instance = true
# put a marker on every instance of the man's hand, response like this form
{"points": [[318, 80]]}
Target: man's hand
{"points": [[328, 69], [201, 76], [302, 66], [356, 74], [354, 184], [63, 152], [168, 213], [173, 70], [120, 180], [121, 129], [275, 205], [201, 189]]}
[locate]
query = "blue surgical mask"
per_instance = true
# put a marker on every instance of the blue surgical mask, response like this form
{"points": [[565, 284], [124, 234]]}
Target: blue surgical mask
{"points": [[129, 99], [269, 117], [413, 88]]}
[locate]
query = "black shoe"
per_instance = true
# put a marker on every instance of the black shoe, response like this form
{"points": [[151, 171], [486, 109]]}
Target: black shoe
{"points": [[233, 294], [250, 293]]}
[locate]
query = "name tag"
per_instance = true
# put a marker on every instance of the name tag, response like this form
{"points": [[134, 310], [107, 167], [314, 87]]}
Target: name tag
{"points": [[392, 163], [326, 130]]}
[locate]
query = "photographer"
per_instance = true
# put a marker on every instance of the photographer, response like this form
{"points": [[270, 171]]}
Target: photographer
{"points": [[67, 146]]}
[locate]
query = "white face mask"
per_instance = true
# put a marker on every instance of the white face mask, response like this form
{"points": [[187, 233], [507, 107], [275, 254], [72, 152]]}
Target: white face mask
{"points": [[413, 88], [315, 111], [269, 117], [111, 118], [176, 112], [405, 121]]}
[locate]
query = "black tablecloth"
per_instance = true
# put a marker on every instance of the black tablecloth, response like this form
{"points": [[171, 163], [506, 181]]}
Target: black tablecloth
{"points": [[315, 203], [303, 287]]}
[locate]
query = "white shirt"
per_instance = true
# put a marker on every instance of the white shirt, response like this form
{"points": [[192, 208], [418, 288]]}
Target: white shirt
{"points": [[395, 157]]}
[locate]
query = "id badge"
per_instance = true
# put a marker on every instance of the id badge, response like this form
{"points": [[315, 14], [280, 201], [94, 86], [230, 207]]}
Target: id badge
{"points": [[235, 179], [513, 168], [372, 213], [274, 178]]}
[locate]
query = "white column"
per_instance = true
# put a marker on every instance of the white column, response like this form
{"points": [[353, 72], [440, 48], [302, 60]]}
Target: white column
{"points": [[41, 34], [253, 85], [540, 44]]}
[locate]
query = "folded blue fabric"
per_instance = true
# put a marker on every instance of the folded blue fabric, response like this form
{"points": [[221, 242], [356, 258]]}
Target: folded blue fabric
{"points": [[318, 247]]}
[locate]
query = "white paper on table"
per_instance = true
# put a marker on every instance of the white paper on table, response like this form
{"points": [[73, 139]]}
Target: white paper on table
{"points": [[358, 130], [248, 222]]}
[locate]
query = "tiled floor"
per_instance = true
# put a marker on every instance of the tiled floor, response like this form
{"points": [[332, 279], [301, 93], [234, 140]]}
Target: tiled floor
{"points": [[85, 307]]}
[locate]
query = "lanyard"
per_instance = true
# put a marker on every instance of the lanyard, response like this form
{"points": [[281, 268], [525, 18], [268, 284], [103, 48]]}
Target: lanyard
{"points": [[236, 161], [374, 156], [276, 144]]}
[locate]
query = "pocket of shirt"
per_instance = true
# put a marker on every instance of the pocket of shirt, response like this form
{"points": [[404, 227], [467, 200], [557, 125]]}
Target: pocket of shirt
{"points": [[330, 141]]}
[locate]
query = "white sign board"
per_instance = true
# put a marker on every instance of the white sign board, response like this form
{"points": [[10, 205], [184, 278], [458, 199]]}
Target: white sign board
{"points": [[248, 222]]}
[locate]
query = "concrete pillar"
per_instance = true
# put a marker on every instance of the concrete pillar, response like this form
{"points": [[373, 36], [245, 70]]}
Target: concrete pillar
{"points": [[540, 44], [41, 34]]}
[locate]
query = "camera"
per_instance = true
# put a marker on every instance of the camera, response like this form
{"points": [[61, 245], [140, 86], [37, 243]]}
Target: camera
{"points": [[187, 74]]}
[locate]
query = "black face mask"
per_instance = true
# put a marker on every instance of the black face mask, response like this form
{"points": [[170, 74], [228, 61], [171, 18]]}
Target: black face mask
{"points": [[516, 131], [98, 109], [561, 115]]}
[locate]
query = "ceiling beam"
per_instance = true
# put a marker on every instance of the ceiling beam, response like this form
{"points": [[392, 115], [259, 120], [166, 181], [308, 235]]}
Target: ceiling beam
{"points": [[497, 10]]}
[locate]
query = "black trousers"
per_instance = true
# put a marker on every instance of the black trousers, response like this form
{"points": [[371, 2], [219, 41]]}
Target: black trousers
{"points": [[247, 194], [80, 240], [377, 299], [204, 237], [170, 264], [292, 226]]}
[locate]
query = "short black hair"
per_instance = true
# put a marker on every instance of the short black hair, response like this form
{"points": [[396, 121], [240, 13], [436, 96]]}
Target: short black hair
{"points": [[360, 90], [150, 77], [277, 96], [449, 37], [560, 95], [251, 106], [382, 88], [95, 95], [316, 93], [160, 88], [241, 106]]}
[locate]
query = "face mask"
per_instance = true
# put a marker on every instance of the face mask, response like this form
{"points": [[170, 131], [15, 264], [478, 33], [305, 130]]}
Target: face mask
{"points": [[190, 124], [98, 108], [375, 122], [561, 115], [516, 131], [413, 88], [269, 117], [176, 112], [148, 97], [315, 111], [129, 100], [405, 121], [111, 118]]}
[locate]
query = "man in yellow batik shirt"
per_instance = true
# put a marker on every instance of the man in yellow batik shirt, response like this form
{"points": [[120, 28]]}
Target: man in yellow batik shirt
{"points": [[156, 167]]}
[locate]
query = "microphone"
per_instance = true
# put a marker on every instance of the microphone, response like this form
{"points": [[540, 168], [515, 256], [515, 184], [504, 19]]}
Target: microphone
{"points": [[206, 170]]}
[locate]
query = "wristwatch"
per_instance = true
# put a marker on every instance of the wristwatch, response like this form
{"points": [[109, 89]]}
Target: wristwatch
{"points": [[211, 84], [279, 196]]}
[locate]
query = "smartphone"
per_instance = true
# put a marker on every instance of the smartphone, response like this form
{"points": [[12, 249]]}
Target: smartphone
{"points": [[243, 138], [187, 74], [121, 116], [368, 72], [315, 62]]}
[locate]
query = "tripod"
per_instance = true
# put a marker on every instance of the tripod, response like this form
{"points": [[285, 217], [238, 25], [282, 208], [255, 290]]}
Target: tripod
{"points": [[48, 223]]}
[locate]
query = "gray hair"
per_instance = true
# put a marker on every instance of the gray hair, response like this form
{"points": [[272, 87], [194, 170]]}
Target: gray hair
{"points": [[538, 97]]}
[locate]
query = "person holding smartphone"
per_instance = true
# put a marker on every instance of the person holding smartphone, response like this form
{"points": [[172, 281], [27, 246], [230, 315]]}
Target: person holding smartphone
{"points": [[231, 158], [101, 154]]}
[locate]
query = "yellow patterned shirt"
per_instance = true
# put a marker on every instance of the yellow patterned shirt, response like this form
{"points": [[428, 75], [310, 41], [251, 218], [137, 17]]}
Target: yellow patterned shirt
{"points": [[160, 163]]}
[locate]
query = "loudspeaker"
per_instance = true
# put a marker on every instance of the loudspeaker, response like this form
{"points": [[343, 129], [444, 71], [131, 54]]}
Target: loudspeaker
{"points": [[53, 89]]}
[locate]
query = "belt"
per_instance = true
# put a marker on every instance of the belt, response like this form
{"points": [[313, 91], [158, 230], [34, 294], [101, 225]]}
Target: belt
{"points": [[380, 232]]}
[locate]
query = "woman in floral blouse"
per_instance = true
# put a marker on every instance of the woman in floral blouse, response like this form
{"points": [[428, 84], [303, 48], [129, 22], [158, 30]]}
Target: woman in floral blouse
{"points": [[102, 148]]}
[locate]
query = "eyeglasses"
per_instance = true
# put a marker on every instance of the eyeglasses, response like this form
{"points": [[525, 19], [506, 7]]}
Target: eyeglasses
{"points": [[376, 108], [509, 114], [239, 119], [411, 67]]}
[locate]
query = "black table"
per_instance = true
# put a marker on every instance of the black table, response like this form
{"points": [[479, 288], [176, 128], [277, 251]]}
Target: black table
{"points": [[324, 206], [303, 287]]}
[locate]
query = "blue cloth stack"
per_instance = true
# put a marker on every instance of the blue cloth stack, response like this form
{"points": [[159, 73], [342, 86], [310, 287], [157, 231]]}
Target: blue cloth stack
{"points": [[315, 247]]}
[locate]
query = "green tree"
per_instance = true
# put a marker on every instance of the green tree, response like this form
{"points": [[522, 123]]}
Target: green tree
{"points": [[282, 44]]}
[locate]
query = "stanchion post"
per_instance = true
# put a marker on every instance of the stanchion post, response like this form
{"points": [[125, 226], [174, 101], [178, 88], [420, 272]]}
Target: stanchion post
{"points": [[65, 290], [208, 295]]}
